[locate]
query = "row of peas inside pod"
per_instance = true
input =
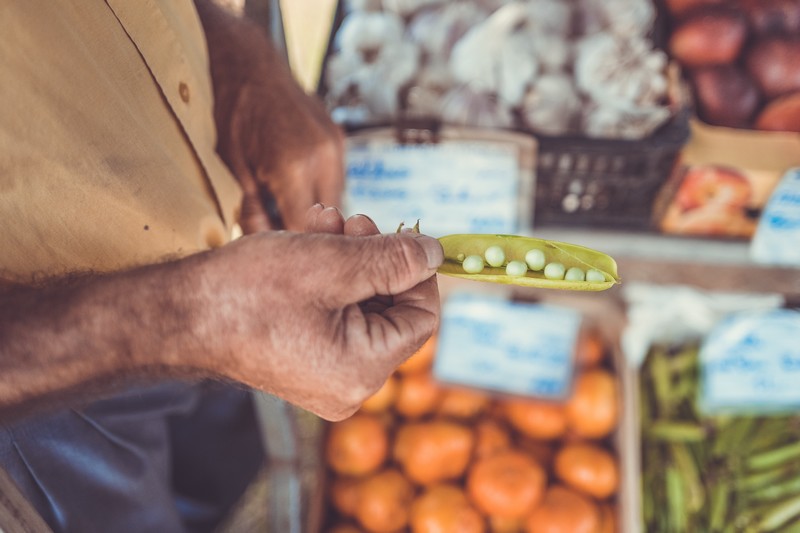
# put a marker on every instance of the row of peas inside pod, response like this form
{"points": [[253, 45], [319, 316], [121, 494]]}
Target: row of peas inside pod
{"points": [[423, 457]]}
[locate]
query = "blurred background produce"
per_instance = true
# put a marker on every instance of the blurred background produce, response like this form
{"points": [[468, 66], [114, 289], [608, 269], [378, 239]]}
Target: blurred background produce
{"points": [[743, 60], [421, 456], [583, 67], [711, 473]]}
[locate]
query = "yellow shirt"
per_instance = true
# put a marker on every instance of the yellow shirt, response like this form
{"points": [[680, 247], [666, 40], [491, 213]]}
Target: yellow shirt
{"points": [[106, 137]]}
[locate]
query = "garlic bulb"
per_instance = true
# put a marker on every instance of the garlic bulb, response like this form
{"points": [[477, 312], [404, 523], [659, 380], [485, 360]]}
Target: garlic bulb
{"points": [[426, 93], [394, 68], [492, 58], [549, 17], [553, 51], [616, 121], [466, 107], [366, 32], [517, 67], [475, 56], [351, 114], [437, 30], [372, 63], [406, 8], [552, 105], [610, 68], [625, 18]]}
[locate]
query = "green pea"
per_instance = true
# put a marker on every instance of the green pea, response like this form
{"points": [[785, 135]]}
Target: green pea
{"points": [[554, 271], [495, 256], [473, 264], [575, 274], [535, 259], [497, 253], [595, 276], [516, 268]]}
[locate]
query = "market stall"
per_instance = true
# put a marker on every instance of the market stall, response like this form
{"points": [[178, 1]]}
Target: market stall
{"points": [[665, 135]]}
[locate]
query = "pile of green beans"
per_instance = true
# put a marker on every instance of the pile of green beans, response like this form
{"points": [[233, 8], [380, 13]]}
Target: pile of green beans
{"points": [[721, 473]]}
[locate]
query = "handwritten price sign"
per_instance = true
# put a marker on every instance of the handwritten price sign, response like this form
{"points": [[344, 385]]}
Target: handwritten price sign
{"points": [[750, 363], [457, 187], [518, 348]]}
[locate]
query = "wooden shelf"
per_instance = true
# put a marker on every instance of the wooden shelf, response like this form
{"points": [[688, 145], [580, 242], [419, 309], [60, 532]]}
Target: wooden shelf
{"points": [[712, 264]]}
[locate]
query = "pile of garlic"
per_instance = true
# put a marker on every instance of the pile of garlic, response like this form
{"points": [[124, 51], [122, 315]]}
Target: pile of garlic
{"points": [[556, 67]]}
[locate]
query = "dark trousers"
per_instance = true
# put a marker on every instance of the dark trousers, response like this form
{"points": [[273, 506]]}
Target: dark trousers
{"points": [[173, 457]]}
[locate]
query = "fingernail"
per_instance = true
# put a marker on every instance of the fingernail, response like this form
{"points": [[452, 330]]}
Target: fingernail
{"points": [[432, 247], [333, 209], [317, 205], [362, 215]]}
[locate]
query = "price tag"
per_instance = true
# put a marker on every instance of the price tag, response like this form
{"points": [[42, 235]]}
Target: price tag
{"points": [[777, 238], [750, 363], [452, 187], [492, 343]]}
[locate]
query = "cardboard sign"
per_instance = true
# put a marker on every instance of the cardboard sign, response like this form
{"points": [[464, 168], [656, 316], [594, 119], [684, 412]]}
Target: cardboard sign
{"points": [[491, 343], [777, 239], [451, 186], [750, 363]]}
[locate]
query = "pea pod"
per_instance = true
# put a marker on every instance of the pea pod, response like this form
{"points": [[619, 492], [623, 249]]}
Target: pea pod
{"points": [[572, 260]]}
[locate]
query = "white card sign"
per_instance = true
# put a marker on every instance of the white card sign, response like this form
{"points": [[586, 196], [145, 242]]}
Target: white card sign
{"points": [[491, 343], [452, 187], [777, 238], [750, 363]]}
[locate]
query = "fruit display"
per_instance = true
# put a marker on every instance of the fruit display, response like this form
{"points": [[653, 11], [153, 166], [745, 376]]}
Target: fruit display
{"points": [[585, 67], [420, 456], [714, 200], [711, 473], [742, 58]]}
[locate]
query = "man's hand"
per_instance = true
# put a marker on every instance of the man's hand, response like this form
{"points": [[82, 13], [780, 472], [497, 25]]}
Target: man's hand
{"points": [[278, 141], [321, 319]]}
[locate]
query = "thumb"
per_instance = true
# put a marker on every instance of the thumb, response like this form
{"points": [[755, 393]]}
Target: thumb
{"points": [[391, 264]]}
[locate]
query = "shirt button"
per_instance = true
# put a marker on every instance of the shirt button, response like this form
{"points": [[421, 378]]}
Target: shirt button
{"points": [[183, 90]]}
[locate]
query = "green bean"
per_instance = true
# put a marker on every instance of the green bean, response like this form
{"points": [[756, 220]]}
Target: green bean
{"points": [[684, 362], [772, 432], [499, 250], [760, 479], [676, 431], [676, 500], [693, 487], [774, 457], [729, 439], [780, 515], [720, 496], [778, 491], [660, 374]]}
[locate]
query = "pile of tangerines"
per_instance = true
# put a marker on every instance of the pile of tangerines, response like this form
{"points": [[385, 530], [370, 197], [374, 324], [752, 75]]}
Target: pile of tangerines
{"points": [[426, 458]]}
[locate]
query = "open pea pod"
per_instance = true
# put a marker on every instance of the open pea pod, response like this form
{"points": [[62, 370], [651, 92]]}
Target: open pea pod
{"points": [[458, 247]]}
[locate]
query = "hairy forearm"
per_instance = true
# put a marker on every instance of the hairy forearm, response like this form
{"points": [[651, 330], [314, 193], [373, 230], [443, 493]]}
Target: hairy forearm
{"points": [[70, 340]]}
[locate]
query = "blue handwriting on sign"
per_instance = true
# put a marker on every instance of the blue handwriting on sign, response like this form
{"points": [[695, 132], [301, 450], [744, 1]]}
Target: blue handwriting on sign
{"points": [[446, 195], [782, 222], [483, 333], [790, 363], [376, 171], [546, 387], [735, 363], [378, 193], [789, 197]]}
